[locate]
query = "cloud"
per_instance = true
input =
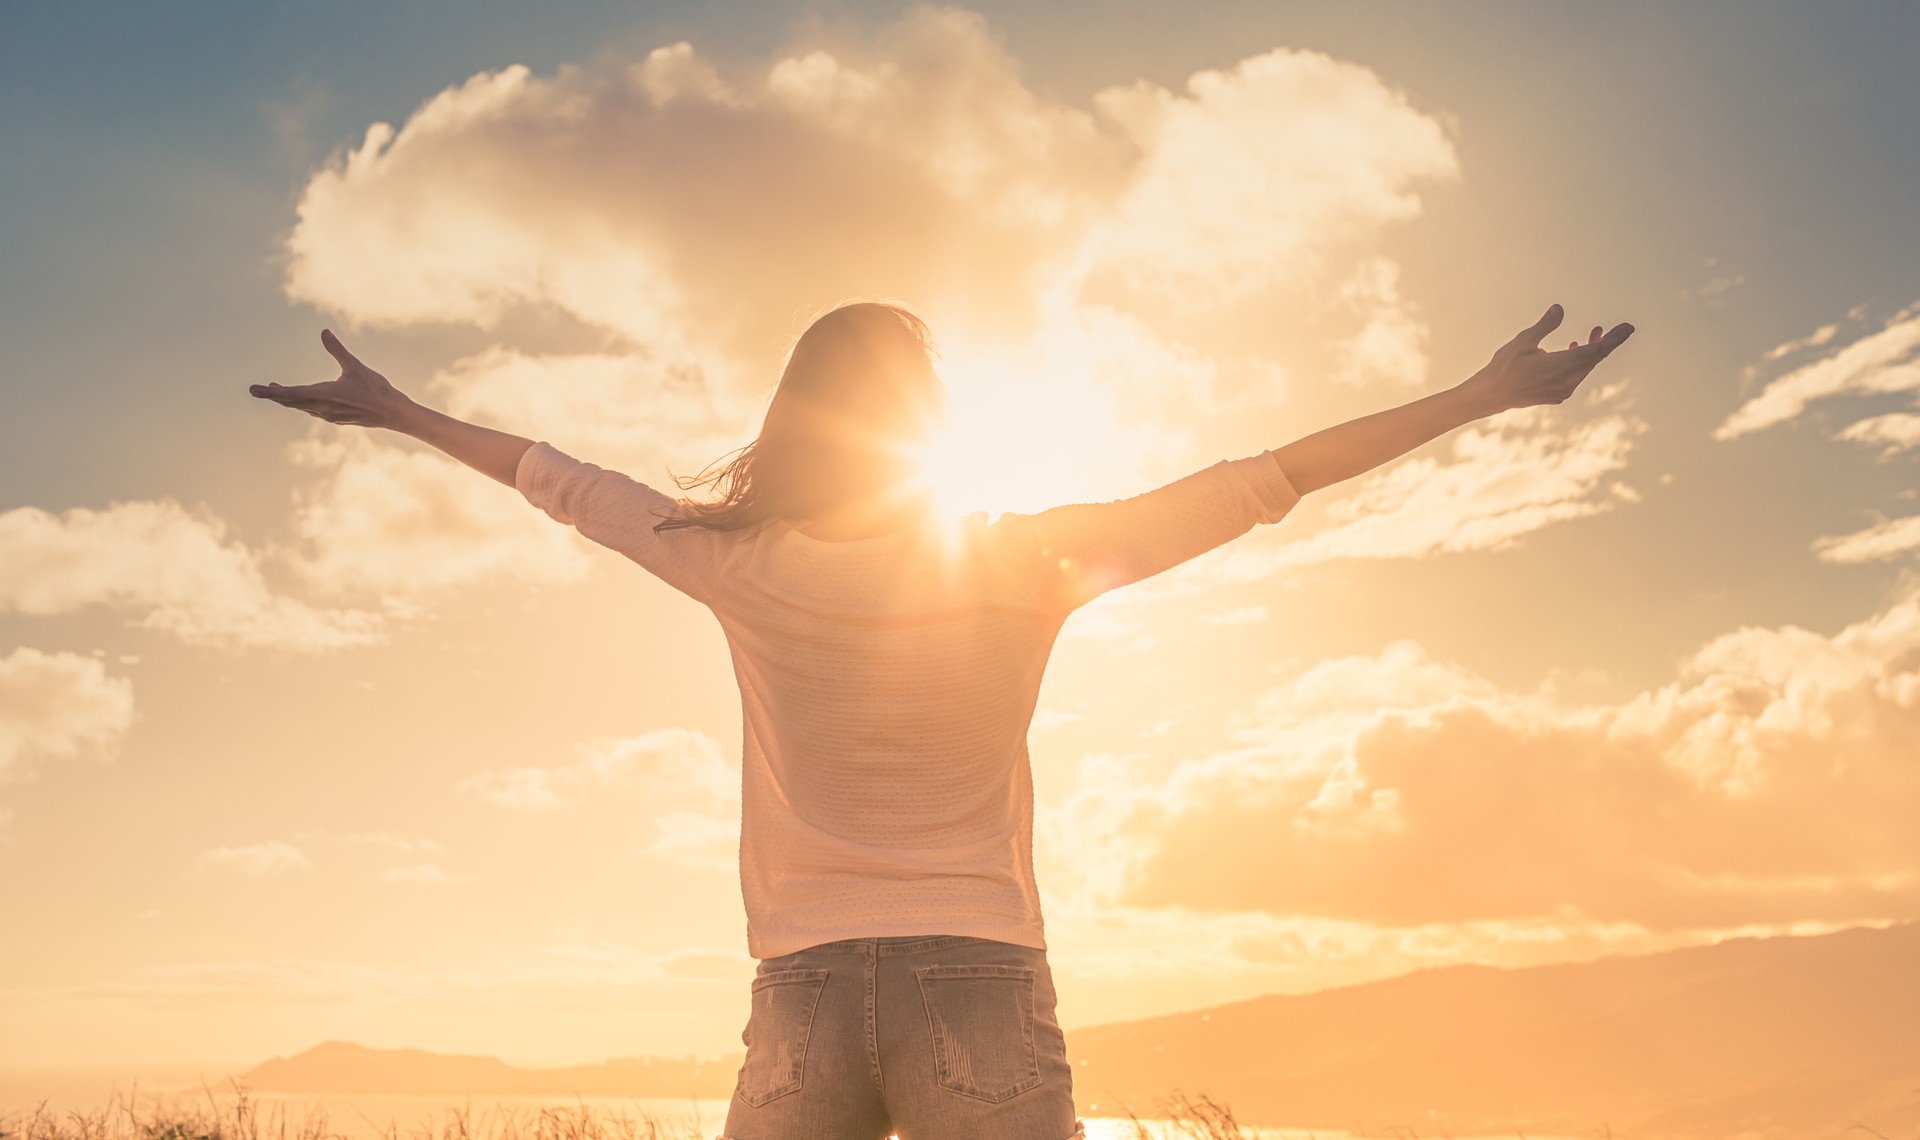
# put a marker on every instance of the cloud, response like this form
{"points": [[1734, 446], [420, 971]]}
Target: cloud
{"points": [[258, 859], [1882, 540], [1716, 289], [1049, 719], [58, 707], [708, 839], [1770, 782], [525, 789], [1892, 433], [1390, 347], [1814, 339], [639, 195], [1883, 361], [401, 523], [175, 567], [1504, 479], [689, 213], [1254, 174], [683, 214], [1241, 615], [666, 194], [680, 767], [634, 408]]}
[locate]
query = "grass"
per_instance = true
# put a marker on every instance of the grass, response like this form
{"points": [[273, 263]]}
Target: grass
{"points": [[241, 1117], [1192, 1118]]}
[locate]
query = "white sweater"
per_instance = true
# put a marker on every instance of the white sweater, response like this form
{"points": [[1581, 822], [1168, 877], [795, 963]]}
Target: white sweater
{"points": [[886, 684]]}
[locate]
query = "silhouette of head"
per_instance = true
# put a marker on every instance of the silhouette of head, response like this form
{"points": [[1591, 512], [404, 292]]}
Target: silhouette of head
{"points": [[856, 404]]}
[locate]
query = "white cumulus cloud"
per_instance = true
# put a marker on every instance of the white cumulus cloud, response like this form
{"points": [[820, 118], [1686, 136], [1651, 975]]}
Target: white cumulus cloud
{"points": [[1771, 781], [175, 567], [692, 212], [1390, 347], [400, 523], [1255, 173], [56, 707]]}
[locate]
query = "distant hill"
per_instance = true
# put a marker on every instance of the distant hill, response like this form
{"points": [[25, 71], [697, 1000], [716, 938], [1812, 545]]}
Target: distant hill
{"points": [[1769, 1037], [1779, 1037], [340, 1067]]}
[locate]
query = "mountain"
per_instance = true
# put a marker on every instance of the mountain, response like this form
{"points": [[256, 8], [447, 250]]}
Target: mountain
{"points": [[340, 1067], [1759, 1038], [1762, 1037]]}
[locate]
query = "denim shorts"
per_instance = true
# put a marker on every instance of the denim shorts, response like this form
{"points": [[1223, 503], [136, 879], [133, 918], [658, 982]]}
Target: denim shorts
{"points": [[938, 1037]]}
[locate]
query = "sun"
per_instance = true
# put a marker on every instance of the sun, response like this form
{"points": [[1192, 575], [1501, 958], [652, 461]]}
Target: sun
{"points": [[1015, 439]]}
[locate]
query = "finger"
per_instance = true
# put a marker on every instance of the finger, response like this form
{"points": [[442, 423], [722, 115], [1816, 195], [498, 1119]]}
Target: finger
{"points": [[296, 398], [1536, 332], [337, 350], [1594, 335], [1612, 339]]}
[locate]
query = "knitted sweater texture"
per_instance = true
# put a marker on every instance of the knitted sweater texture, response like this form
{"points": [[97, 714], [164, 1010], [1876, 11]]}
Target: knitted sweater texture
{"points": [[886, 684]]}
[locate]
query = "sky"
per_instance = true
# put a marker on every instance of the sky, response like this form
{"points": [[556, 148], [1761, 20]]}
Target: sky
{"points": [[307, 732]]}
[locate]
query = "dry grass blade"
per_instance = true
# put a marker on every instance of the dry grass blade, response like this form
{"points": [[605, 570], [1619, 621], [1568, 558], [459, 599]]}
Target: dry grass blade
{"points": [[241, 1118]]}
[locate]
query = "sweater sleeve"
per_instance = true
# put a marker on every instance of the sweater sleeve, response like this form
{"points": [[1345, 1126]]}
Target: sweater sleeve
{"points": [[1086, 549], [619, 513]]}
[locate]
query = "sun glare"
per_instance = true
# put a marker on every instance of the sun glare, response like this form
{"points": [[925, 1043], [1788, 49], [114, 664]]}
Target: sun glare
{"points": [[1018, 437]]}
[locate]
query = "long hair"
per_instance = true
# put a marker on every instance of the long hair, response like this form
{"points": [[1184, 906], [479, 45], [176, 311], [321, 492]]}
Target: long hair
{"points": [[857, 395]]}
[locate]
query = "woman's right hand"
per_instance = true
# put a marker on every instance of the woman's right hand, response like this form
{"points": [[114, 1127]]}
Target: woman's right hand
{"points": [[1522, 373], [360, 396]]}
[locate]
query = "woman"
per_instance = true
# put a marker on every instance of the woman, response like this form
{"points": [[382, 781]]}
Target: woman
{"points": [[888, 666]]}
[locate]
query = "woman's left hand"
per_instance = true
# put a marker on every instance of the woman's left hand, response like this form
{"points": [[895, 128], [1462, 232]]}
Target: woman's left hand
{"points": [[360, 396], [1522, 374]]}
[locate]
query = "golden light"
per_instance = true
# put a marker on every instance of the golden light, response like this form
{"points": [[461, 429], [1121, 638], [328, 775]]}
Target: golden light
{"points": [[1025, 430]]}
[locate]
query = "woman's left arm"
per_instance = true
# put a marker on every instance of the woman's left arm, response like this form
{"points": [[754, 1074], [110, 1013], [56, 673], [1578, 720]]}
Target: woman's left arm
{"points": [[1520, 374], [1086, 549]]}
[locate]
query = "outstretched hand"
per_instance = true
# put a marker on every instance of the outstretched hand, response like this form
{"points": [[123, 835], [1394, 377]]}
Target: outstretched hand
{"points": [[360, 396], [1522, 373]]}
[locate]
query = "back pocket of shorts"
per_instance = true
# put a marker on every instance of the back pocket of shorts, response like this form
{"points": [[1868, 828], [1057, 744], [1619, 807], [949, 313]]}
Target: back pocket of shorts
{"points": [[981, 1020], [777, 1031]]}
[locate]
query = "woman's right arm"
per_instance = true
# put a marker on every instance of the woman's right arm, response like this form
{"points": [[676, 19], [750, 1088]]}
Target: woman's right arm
{"points": [[490, 452], [606, 506], [365, 398]]}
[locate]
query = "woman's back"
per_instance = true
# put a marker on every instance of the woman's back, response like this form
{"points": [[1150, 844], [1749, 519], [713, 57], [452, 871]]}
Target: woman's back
{"points": [[886, 685], [900, 672]]}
